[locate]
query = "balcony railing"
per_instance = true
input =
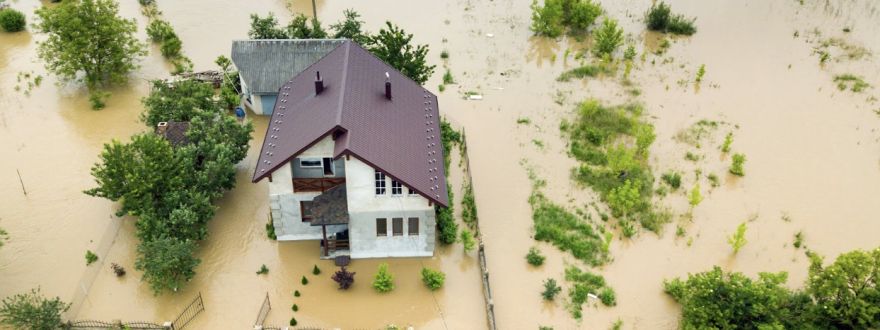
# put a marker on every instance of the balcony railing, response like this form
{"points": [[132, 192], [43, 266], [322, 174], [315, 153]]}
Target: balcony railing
{"points": [[316, 184]]}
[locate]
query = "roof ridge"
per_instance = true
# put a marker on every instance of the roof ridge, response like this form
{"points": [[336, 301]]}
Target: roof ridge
{"points": [[342, 80]]}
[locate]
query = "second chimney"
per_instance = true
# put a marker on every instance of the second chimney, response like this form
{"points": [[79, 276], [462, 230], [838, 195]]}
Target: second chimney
{"points": [[387, 86], [319, 83]]}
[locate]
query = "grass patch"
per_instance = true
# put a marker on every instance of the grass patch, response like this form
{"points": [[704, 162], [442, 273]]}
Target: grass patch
{"points": [[612, 144], [588, 70], [567, 231], [583, 285], [696, 133], [660, 18], [736, 167], [853, 82], [523, 121]]}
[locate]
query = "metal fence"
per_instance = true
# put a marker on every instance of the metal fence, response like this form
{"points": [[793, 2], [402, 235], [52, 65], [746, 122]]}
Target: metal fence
{"points": [[264, 312], [196, 307], [94, 325]]}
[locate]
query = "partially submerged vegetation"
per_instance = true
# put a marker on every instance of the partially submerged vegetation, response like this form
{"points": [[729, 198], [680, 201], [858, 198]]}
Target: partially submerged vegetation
{"points": [[584, 285], [854, 83], [660, 18], [556, 17], [612, 142], [446, 226], [843, 295], [12, 20]]}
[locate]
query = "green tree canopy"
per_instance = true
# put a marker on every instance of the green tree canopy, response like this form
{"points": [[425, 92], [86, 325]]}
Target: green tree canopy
{"points": [[394, 46], [265, 28], [32, 311], [351, 28], [302, 27], [846, 292], [89, 36], [179, 101], [167, 263]]}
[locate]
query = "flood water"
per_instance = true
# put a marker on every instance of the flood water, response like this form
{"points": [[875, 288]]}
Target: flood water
{"points": [[812, 151]]}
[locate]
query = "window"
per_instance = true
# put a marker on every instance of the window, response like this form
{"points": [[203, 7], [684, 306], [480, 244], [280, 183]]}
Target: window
{"points": [[413, 226], [380, 183], [397, 226], [309, 162], [411, 191], [396, 188], [381, 227], [305, 209], [328, 166]]}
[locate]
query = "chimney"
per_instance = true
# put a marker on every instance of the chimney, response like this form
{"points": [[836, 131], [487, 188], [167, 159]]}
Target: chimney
{"points": [[161, 128], [319, 83], [387, 86]]}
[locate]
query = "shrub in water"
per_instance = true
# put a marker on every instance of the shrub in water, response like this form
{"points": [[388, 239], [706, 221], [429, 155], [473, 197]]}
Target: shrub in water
{"points": [[293, 321], [160, 30], [171, 47], [98, 99], [263, 270], [433, 279], [467, 240], [607, 38], [673, 179], [547, 19], [296, 293], [90, 257], [295, 308], [12, 20], [384, 281], [344, 278], [660, 18], [736, 167], [534, 257], [304, 280], [551, 289], [738, 239], [607, 297], [316, 270], [581, 14]]}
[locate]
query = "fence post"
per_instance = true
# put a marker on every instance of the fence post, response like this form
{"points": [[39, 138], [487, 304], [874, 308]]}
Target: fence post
{"points": [[168, 325]]}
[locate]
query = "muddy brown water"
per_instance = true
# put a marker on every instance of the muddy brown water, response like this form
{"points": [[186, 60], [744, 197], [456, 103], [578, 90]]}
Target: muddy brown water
{"points": [[812, 155]]}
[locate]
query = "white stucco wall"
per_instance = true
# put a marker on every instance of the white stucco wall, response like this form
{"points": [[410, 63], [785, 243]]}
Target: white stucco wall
{"points": [[361, 185], [284, 205], [323, 148]]}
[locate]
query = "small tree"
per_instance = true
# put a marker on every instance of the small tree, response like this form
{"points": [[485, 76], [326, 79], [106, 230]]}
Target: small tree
{"points": [[91, 257], [351, 28], [89, 36], [433, 279], [32, 311], [467, 240], [547, 20], [551, 289], [534, 257], [265, 28], [694, 198], [316, 270], [736, 167], [177, 102], [12, 20], [384, 281], [301, 27], [344, 278], [607, 38], [582, 14], [167, 263], [394, 46], [738, 239]]}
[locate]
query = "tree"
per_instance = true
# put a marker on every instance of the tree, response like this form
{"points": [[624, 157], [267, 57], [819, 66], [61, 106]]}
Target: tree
{"points": [[32, 311], [393, 46], [550, 289], [301, 27], [846, 292], [738, 239], [719, 300], [177, 102], [582, 14], [265, 28], [89, 36], [607, 38], [433, 279], [548, 20], [384, 281], [167, 262], [12, 20], [344, 278], [351, 28]]}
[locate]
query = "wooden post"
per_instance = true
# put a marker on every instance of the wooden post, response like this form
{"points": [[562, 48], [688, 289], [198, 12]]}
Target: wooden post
{"points": [[326, 242]]}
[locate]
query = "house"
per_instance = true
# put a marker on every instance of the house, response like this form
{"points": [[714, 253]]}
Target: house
{"points": [[264, 65], [354, 159]]}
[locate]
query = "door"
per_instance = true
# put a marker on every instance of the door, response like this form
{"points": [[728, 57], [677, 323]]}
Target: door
{"points": [[328, 166]]}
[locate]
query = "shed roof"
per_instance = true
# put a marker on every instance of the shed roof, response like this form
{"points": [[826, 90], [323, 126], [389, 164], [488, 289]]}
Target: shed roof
{"points": [[266, 64], [331, 207], [399, 137]]}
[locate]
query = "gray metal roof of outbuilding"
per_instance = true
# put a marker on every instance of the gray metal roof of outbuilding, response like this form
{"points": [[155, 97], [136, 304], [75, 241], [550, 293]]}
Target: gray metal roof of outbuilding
{"points": [[267, 64], [399, 137]]}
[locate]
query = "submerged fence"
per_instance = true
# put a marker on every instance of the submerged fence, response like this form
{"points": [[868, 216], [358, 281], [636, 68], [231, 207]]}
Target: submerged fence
{"points": [[484, 268], [196, 307], [264, 312]]}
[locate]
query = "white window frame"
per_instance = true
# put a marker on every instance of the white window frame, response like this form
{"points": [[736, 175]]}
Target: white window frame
{"points": [[380, 184], [396, 185]]}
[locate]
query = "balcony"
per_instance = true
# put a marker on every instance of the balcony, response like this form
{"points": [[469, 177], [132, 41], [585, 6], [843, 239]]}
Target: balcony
{"points": [[316, 184]]}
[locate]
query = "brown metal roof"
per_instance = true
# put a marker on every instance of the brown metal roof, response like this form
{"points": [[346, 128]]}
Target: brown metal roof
{"points": [[400, 137]]}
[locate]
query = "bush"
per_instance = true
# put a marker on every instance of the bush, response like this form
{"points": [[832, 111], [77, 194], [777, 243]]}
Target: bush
{"points": [[98, 99], [304, 280], [446, 224], [534, 257], [316, 270], [384, 281], [467, 240], [607, 38], [433, 279], [728, 139], [171, 48], [90, 257], [160, 31], [673, 179], [660, 18], [736, 168], [581, 14], [550, 289], [12, 20], [296, 293], [263, 270], [608, 297], [695, 197], [293, 322], [738, 239], [294, 308], [344, 278], [547, 20], [32, 311]]}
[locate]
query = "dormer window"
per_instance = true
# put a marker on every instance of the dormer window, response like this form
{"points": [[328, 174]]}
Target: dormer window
{"points": [[380, 183], [396, 188]]}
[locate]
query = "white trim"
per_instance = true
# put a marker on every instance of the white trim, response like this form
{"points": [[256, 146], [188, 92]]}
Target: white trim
{"points": [[311, 159]]}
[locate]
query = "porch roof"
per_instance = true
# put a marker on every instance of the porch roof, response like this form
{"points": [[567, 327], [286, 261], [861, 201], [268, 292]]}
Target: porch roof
{"points": [[331, 207]]}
